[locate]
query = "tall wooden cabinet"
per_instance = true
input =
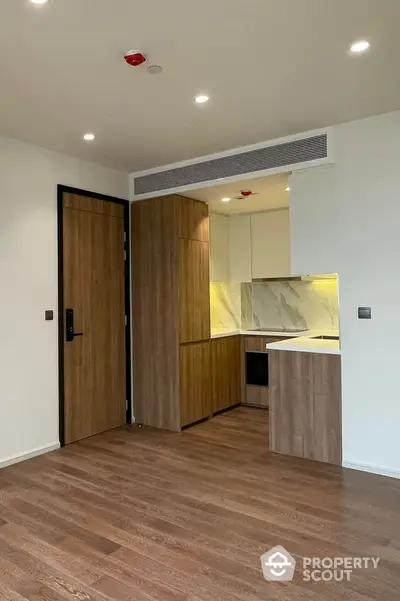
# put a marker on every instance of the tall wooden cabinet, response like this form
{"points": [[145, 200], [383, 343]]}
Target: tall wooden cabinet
{"points": [[171, 311]]}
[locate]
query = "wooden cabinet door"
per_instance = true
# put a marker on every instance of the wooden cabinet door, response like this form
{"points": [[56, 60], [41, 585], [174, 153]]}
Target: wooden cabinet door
{"points": [[240, 248], [193, 219], [194, 291], [225, 372], [195, 382]]}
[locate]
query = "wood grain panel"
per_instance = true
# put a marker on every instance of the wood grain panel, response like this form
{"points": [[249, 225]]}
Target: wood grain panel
{"points": [[155, 297], [78, 376], [193, 219], [108, 323], [195, 390], [242, 369], [194, 291], [290, 379], [305, 405], [94, 364], [326, 410], [259, 343], [225, 372], [93, 205], [256, 396]]}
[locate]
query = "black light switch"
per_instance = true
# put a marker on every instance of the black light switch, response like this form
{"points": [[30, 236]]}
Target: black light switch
{"points": [[49, 315], [364, 312]]}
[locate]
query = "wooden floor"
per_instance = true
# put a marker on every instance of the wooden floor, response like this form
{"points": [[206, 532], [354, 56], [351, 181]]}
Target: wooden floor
{"points": [[138, 515]]}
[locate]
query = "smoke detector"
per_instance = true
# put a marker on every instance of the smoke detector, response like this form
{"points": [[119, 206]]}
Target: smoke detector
{"points": [[134, 58]]}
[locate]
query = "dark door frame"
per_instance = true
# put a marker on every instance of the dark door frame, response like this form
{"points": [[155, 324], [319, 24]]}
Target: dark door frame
{"points": [[61, 190]]}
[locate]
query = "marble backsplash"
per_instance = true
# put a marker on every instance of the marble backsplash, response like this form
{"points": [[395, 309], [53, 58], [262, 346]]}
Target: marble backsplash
{"points": [[225, 305], [291, 304]]}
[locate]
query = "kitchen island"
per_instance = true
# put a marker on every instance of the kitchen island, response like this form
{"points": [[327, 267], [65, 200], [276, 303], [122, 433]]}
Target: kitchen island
{"points": [[305, 400]]}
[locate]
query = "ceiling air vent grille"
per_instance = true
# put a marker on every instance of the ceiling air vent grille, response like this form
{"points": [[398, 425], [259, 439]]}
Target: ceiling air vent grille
{"points": [[261, 159]]}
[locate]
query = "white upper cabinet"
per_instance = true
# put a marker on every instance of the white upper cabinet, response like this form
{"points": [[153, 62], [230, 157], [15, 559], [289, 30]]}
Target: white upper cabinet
{"points": [[270, 244], [246, 247], [219, 248], [240, 248]]}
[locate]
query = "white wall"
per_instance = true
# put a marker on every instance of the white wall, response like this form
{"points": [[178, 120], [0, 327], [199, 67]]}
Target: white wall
{"points": [[28, 285], [346, 218]]}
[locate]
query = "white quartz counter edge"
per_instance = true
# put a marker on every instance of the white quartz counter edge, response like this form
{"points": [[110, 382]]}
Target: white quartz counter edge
{"points": [[307, 345], [224, 333], [298, 342]]}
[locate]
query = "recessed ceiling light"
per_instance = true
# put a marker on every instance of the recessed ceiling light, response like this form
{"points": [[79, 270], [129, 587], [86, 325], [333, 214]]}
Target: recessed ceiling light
{"points": [[39, 1], [201, 99], [89, 137], [225, 199], [359, 47], [287, 188]]}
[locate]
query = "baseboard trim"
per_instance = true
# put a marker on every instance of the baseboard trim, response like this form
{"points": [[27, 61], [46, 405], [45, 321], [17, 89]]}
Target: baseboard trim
{"points": [[372, 469], [29, 454]]}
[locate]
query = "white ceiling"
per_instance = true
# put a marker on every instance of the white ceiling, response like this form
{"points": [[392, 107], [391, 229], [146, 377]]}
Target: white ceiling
{"points": [[270, 194], [271, 67]]}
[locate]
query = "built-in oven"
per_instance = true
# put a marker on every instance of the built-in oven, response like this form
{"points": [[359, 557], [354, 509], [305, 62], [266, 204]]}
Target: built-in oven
{"points": [[257, 373]]}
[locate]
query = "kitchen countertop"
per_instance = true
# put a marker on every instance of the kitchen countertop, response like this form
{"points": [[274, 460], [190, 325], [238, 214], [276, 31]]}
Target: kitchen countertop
{"points": [[308, 344], [297, 341], [222, 332]]}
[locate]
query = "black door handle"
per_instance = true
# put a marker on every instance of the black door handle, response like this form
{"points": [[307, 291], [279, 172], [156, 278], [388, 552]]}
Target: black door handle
{"points": [[69, 321]]}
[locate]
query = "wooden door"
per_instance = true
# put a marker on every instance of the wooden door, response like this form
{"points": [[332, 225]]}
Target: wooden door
{"points": [[194, 291], [225, 372], [195, 382], [94, 361]]}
